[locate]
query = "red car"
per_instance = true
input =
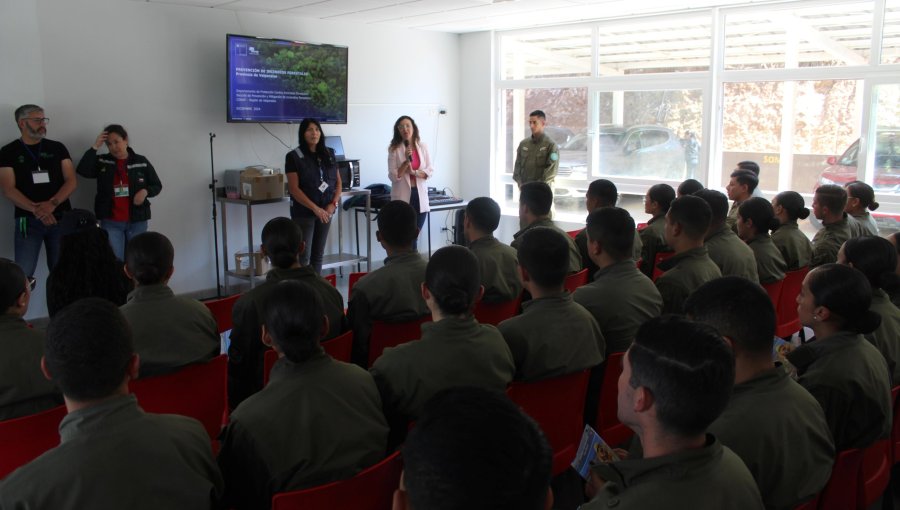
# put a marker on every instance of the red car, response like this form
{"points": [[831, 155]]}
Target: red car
{"points": [[842, 170]]}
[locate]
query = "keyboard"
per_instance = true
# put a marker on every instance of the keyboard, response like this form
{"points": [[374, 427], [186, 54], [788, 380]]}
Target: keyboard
{"points": [[443, 200]]}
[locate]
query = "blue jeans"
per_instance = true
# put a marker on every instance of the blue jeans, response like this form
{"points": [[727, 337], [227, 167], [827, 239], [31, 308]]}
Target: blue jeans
{"points": [[30, 234], [315, 234], [420, 216], [120, 232]]}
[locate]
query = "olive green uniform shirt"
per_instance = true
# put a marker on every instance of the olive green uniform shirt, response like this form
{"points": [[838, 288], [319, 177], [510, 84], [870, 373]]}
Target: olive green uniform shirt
{"points": [[732, 217], [392, 293], [707, 478], [828, 241], [452, 352], [536, 160], [498, 265], [581, 241], [315, 422], [887, 337], [169, 331], [246, 351], [770, 265], [574, 255], [114, 455], [684, 273], [850, 379], [553, 336], [620, 298], [732, 255], [793, 245], [862, 225], [653, 241], [23, 388], [779, 430]]}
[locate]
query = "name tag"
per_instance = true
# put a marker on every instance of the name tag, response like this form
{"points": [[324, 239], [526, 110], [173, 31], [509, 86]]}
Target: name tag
{"points": [[40, 177], [120, 191], [323, 187]]}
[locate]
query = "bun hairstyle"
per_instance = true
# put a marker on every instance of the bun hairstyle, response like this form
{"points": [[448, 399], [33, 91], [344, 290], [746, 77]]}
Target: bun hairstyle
{"points": [[793, 205], [876, 258], [864, 193], [281, 239], [847, 293], [453, 278], [760, 211]]}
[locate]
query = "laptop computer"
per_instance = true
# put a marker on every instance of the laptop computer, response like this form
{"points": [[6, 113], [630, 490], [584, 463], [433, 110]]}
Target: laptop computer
{"points": [[334, 143]]}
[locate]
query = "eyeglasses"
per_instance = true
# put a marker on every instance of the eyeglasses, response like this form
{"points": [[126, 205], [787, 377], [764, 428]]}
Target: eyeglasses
{"points": [[32, 282], [39, 120]]}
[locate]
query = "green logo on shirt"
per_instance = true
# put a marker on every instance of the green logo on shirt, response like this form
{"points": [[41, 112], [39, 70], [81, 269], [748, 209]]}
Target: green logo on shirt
{"points": [[554, 156]]}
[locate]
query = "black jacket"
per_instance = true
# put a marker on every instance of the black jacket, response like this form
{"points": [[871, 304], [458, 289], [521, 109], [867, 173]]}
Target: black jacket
{"points": [[141, 175]]}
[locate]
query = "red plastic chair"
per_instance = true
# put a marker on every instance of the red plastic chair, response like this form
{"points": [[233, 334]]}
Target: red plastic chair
{"points": [[557, 405], [875, 473], [221, 310], [641, 226], [774, 291], [338, 348], [788, 322], [24, 439], [607, 422], [842, 490], [574, 233], [812, 504], [895, 427], [332, 279], [351, 282], [199, 391], [575, 280], [495, 313], [392, 334], [661, 256], [371, 489]]}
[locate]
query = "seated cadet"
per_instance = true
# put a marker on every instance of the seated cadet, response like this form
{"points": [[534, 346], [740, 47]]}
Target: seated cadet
{"points": [[790, 241], [686, 224], [620, 298], [860, 200], [755, 218], [393, 292], [740, 188], [318, 420], [112, 454], [496, 261], [688, 187], [23, 389], [282, 243], [653, 238], [726, 249], [828, 207], [788, 447], [676, 380], [474, 449], [535, 199], [553, 335], [846, 374], [876, 258], [601, 193], [752, 166], [454, 350], [169, 331]]}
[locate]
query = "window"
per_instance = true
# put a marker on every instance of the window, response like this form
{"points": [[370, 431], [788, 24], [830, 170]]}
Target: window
{"points": [[546, 54], [890, 37], [658, 46]]}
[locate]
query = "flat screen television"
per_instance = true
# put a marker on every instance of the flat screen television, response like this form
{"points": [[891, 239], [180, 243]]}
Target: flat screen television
{"points": [[275, 80]]}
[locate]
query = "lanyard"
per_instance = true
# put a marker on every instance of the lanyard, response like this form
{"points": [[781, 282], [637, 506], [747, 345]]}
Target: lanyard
{"points": [[33, 156]]}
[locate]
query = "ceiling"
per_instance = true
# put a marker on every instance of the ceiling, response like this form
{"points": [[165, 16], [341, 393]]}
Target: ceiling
{"points": [[456, 16]]}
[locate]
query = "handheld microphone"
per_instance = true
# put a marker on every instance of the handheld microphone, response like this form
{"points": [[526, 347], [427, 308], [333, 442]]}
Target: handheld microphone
{"points": [[406, 144]]}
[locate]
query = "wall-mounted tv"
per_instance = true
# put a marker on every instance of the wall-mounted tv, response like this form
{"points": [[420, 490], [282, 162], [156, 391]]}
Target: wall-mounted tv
{"points": [[274, 80]]}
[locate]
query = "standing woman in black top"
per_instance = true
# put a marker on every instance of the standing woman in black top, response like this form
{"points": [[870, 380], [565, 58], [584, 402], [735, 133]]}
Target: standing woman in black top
{"points": [[315, 187]]}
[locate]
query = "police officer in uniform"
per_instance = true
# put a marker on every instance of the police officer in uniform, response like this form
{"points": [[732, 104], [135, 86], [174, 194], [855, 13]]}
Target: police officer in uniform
{"points": [[537, 158]]}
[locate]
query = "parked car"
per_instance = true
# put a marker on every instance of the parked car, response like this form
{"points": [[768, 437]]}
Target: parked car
{"points": [[638, 151], [843, 169]]}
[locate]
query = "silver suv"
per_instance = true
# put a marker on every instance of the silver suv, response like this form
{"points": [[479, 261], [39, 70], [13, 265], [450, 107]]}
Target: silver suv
{"points": [[636, 151]]}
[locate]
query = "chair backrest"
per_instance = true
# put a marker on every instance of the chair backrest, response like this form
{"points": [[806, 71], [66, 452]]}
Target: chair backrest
{"points": [[199, 391], [875, 473], [607, 421], [575, 280], [495, 313], [24, 439], [661, 256], [641, 226], [842, 490], [774, 291], [392, 334], [338, 348], [371, 489], [557, 405], [332, 279], [269, 359], [351, 282], [221, 310], [574, 233], [787, 321]]}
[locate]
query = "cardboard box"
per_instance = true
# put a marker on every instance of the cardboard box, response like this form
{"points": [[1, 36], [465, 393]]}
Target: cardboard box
{"points": [[242, 264], [257, 186]]}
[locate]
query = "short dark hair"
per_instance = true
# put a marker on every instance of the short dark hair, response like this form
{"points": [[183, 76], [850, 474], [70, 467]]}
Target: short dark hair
{"points": [[537, 197], [484, 214], [693, 214], [281, 238], [117, 129], [613, 228], [793, 204], [846, 292], [718, 204], [689, 187], [736, 308], [12, 284], [833, 197], [662, 194], [875, 257], [453, 278], [752, 166], [88, 349], [149, 257], [687, 367], [539, 114], [760, 211], [747, 178], [605, 191], [25, 109], [474, 448], [293, 315], [397, 224], [544, 253], [863, 192]]}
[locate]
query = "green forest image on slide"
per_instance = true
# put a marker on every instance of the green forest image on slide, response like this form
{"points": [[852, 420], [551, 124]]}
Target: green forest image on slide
{"points": [[318, 70]]}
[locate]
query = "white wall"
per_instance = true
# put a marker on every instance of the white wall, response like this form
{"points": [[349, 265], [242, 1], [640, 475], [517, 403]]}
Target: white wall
{"points": [[160, 71]]}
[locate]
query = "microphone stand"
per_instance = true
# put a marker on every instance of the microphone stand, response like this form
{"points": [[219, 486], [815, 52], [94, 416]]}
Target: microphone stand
{"points": [[212, 187]]}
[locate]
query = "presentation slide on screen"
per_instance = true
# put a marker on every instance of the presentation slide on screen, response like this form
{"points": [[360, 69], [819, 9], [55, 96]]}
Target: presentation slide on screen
{"points": [[284, 81]]}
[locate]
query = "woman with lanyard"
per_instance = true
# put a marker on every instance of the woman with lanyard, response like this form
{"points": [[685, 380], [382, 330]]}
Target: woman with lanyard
{"points": [[314, 184], [409, 165]]}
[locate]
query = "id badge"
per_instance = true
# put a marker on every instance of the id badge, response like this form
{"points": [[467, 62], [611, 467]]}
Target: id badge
{"points": [[120, 191], [323, 187], [40, 177]]}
